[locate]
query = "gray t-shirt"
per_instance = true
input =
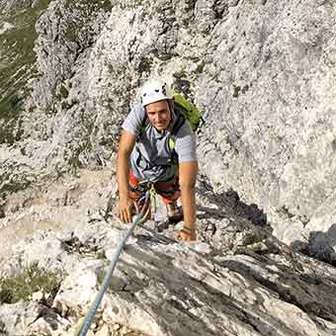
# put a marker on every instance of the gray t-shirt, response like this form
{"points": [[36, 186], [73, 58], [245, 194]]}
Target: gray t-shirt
{"points": [[151, 158]]}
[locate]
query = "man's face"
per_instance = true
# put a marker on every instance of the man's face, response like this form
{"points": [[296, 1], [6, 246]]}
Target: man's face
{"points": [[159, 114]]}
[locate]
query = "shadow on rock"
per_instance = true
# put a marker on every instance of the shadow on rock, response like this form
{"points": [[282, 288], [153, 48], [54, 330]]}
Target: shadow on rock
{"points": [[310, 292], [187, 301], [179, 309], [320, 245], [228, 203]]}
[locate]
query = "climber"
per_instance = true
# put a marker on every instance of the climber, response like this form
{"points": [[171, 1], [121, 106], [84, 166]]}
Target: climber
{"points": [[158, 146]]}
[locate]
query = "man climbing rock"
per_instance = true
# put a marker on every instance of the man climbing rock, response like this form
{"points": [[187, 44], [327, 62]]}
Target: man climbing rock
{"points": [[157, 145]]}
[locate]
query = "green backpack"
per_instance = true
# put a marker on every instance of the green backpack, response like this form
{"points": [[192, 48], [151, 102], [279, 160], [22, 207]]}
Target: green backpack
{"points": [[189, 110]]}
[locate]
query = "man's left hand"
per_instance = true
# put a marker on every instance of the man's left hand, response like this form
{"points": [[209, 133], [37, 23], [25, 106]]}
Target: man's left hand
{"points": [[186, 234]]}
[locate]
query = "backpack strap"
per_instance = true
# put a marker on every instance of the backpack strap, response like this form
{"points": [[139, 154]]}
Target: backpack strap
{"points": [[178, 123], [177, 126], [143, 125], [173, 133]]}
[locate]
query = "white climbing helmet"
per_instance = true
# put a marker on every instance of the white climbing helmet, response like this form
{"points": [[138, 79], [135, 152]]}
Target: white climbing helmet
{"points": [[154, 90]]}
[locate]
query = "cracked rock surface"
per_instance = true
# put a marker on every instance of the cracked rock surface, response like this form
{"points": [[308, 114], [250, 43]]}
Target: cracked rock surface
{"points": [[236, 279], [264, 76]]}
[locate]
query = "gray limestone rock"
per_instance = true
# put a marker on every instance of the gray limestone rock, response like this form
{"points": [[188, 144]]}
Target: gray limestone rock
{"points": [[237, 278], [263, 74], [264, 77]]}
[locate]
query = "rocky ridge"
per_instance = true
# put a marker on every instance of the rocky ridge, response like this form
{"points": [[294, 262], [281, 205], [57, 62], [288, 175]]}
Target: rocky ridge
{"points": [[264, 77], [237, 279]]}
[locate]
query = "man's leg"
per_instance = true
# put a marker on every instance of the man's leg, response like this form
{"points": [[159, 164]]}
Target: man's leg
{"points": [[133, 187], [170, 192], [134, 192]]}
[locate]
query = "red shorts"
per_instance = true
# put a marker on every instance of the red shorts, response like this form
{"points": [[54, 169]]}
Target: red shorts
{"points": [[168, 190]]}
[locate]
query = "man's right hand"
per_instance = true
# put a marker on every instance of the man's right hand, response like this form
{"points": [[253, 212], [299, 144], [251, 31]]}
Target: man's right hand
{"points": [[125, 209]]}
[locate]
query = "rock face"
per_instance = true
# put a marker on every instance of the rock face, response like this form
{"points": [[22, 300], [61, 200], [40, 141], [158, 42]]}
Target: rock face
{"points": [[264, 76], [273, 96], [238, 280]]}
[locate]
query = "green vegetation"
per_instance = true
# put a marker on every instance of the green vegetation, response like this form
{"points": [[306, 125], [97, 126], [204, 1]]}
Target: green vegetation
{"points": [[17, 65], [200, 67], [72, 32], [12, 183], [18, 59], [145, 65], [90, 4], [31, 279], [73, 158], [132, 4], [64, 93], [10, 130], [236, 90]]}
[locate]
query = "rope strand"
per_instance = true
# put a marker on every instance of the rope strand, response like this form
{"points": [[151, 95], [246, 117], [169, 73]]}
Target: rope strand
{"points": [[138, 219]]}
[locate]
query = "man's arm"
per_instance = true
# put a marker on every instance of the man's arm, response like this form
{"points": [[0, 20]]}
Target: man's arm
{"points": [[187, 179], [126, 144]]}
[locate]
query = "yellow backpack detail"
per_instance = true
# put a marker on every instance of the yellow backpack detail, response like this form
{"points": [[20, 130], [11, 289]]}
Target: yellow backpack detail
{"points": [[189, 110]]}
